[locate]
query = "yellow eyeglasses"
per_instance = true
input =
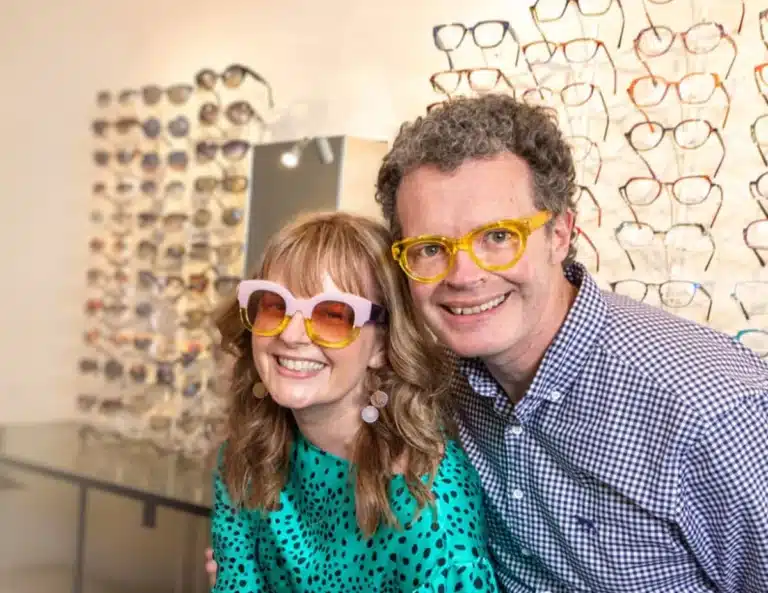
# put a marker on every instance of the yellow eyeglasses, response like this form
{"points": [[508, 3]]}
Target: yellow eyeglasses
{"points": [[494, 247]]}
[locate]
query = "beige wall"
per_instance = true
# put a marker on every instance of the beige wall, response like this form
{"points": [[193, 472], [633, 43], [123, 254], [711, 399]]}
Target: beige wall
{"points": [[337, 67]]}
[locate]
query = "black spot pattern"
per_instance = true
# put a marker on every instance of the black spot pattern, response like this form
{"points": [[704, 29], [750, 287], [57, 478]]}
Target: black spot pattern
{"points": [[313, 544]]}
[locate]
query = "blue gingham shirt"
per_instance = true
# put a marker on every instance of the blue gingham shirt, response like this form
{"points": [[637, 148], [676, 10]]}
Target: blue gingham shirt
{"points": [[636, 462]]}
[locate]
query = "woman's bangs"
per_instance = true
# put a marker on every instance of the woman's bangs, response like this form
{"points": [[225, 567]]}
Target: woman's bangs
{"points": [[302, 261]]}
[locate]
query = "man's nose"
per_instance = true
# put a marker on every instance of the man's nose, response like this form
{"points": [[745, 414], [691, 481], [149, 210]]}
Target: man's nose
{"points": [[464, 272], [295, 332]]}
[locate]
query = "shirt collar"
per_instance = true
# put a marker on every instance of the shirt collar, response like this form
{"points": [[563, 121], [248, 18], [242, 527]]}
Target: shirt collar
{"points": [[568, 352]]}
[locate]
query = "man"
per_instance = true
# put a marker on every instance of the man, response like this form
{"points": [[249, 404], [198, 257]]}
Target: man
{"points": [[621, 448]]}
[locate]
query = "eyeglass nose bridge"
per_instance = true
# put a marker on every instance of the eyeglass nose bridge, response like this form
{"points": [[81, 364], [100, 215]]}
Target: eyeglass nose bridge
{"points": [[462, 244]]}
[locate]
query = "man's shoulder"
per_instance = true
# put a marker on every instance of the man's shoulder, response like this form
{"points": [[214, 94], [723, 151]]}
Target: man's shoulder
{"points": [[702, 368]]}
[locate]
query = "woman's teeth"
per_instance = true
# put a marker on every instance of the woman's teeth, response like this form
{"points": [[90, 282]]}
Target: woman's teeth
{"points": [[478, 308], [303, 366]]}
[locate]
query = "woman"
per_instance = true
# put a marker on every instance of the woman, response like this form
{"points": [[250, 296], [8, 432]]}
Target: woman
{"points": [[339, 473]]}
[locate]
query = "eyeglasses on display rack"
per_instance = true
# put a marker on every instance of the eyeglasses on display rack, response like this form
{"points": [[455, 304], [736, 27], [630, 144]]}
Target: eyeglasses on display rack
{"points": [[754, 339], [759, 190], [700, 39], [734, 3], [633, 235], [484, 34], [480, 80], [550, 11], [756, 238], [575, 51], [696, 88], [575, 94], [582, 191], [752, 298], [690, 190], [689, 134], [583, 150], [675, 294]]}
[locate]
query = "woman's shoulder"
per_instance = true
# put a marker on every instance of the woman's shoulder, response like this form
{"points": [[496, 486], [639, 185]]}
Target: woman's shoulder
{"points": [[456, 519]]}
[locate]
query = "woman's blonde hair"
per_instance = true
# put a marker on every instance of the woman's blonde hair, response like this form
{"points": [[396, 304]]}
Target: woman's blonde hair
{"points": [[412, 426]]}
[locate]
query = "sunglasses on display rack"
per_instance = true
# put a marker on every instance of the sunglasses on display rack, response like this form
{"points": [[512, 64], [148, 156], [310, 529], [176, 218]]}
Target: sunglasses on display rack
{"points": [[176, 160], [232, 150], [238, 113], [107, 98], [232, 78], [225, 253], [112, 369], [332, 319], [101, 278], [102, 158], [178, 127], [177, 94], [494, 247], [234, 184]]}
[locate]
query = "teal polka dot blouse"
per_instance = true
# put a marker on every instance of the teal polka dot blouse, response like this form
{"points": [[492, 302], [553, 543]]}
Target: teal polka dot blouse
{"points": [[313, 544]]}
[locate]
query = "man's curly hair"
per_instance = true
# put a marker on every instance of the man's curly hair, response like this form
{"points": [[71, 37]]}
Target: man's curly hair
{"points": [[482, 127]]}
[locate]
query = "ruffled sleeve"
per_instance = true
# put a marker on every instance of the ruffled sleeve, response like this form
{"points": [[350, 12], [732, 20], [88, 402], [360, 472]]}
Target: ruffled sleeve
{"points": [[234, 547]]}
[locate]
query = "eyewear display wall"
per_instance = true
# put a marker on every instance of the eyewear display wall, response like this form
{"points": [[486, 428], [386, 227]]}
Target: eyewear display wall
{"points": [[169, 218], [665, 106]]}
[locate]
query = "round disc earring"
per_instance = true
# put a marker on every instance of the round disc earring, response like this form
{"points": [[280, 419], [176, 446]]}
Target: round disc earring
{"points": [[370, 413], [258, 390]]}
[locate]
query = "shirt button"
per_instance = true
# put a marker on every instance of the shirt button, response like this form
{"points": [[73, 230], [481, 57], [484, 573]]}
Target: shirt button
{"points": [[516, 430], [555, 396], [517, 494]]}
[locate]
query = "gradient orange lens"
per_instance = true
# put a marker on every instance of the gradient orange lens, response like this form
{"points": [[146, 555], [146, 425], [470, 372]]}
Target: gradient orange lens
{"points": [[266, 311], [332, 321]]}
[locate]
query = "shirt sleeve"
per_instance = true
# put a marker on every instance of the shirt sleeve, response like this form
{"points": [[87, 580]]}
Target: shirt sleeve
{"points": [[234, 548], [724, 498]]}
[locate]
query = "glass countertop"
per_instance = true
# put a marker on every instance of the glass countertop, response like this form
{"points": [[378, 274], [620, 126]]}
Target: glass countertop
{"points": [[71, 452]]}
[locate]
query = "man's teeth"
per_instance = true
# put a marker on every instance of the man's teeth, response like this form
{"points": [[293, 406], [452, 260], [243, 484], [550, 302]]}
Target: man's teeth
{"points": [[300, 365], [478, 308]]}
